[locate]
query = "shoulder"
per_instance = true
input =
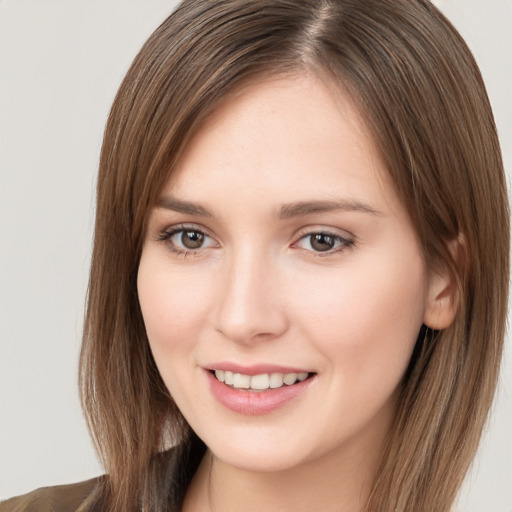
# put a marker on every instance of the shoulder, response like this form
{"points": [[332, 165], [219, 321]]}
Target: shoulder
{"points": [[60, 498]]}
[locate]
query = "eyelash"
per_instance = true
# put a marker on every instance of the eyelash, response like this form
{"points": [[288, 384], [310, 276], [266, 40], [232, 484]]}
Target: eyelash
{"points": [[343, 243], [166, 236]]}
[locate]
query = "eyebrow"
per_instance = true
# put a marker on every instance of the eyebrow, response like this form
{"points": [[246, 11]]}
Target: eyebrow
{"points": [[178, 205], [287, 211], [303, 208]]}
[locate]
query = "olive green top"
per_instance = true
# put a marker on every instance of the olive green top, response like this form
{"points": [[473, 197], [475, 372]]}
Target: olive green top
{"points": [[60, 498]]}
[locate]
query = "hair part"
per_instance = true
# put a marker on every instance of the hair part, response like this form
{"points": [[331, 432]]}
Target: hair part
{"points": [[422, 96]]}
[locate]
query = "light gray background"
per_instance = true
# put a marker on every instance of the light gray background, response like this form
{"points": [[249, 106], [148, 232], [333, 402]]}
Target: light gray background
{"points": [[60, 65]]}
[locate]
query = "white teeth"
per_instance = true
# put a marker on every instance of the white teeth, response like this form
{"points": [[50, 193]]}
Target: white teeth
{"points": [[290, 378], [259, 382], [241, 381], [276, 380]]}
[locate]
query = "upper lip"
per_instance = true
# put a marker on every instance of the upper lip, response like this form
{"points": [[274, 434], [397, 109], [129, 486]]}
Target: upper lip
{"points": [[254, 369]]}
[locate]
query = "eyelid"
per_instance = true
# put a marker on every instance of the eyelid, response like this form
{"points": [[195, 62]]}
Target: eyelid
{"points": [[327, 230]]}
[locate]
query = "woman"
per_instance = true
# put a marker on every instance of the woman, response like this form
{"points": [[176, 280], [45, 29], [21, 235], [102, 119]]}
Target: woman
{"points": [[292, 299]]}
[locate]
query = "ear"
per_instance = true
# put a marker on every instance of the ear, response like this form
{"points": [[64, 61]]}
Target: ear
{"points": [[442, 292]]}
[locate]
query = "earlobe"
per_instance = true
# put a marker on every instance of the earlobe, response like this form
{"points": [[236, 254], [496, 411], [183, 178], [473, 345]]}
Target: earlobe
{"points": [[443, 292]]}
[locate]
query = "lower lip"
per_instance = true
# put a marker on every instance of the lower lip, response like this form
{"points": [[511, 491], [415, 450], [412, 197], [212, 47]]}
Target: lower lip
{"points": [[252, 403]]}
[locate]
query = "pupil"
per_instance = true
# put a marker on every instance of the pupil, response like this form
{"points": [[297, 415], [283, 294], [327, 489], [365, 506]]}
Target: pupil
{"points": [[192, 239], [322, 242]]}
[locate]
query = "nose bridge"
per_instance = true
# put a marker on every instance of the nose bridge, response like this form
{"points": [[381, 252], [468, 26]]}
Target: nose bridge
{"points": [[249, 305]]}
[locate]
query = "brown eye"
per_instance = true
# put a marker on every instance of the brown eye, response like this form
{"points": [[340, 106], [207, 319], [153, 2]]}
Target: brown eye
{"points": [[192, 239], [185, 240], [322, 242]]}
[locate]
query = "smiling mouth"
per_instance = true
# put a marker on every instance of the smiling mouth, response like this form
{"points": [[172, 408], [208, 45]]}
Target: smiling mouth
{"points": [[259, 382]]}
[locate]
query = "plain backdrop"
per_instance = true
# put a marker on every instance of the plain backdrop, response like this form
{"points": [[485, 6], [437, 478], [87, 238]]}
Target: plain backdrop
{"points": [[60, 65]]}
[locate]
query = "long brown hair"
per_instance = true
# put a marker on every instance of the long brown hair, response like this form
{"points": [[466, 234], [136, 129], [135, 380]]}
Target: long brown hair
{"points": [[421, 93]]}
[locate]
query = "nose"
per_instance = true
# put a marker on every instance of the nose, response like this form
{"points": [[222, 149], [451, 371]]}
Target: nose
{"points": [[249, 306]]}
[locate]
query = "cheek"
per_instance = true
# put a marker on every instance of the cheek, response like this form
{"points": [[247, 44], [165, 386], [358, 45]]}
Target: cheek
{"points": [[173, 306], [366, 318]]}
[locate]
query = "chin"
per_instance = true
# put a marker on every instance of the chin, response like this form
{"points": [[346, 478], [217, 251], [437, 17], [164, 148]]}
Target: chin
{"points": [[262, 449], [258, 460]]}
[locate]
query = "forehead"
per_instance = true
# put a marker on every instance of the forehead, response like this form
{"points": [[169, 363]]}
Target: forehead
{"points": [[283, 139]]}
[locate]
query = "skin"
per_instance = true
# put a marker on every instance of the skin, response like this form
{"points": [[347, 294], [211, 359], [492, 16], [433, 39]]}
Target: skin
{"points": [[258, 292]]}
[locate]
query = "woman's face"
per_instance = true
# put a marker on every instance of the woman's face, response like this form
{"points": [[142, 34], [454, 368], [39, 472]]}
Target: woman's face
{"points": [[280, 256]]}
